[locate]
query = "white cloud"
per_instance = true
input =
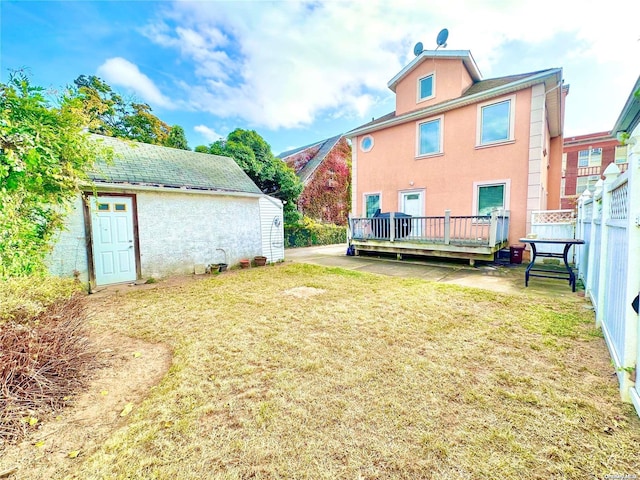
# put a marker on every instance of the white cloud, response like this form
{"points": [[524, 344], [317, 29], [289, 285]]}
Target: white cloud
{"points": [[121, 72], [284, 64], [208, 133]]}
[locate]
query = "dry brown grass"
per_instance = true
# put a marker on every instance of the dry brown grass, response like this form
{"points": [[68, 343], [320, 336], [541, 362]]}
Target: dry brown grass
{"points": [[375, 377], [44, 360]]}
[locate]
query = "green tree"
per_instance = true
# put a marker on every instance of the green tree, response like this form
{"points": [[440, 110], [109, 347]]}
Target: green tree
{"points": [[110, 114], [177, 138], [253, 154], [201, 149], [43, 158]]}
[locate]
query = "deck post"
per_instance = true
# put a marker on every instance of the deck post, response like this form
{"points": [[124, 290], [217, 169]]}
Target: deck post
{"points": [[493, 228], [392, 227], [447, 227]]}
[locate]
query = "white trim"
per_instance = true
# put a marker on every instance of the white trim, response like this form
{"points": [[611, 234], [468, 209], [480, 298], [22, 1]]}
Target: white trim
{"points": [[128, 187], [488, 183], [420, 191], [420, 99], [363, 139], [364, 202], [512, 120], [440, 151]]}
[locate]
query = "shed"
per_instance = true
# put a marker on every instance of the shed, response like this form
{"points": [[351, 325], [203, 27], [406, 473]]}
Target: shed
{"points": [[156, 211]]}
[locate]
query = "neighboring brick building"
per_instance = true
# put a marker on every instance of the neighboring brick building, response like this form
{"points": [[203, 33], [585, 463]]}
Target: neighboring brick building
{"points": [[584, 159]]}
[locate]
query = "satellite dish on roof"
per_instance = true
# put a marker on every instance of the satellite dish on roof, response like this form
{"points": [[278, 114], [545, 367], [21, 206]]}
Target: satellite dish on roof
{"points": [[418, 49], [442, 38]]}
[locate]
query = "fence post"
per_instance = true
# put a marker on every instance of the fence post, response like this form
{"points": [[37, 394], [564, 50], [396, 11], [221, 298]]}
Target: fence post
{"points": [[447, 227], [595, 214], [581, 252], [610, 174], [493, 228], [392, 227]]}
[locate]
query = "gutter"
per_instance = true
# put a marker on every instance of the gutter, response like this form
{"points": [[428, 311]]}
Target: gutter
{"points": [[108, 186], [455, 103]]}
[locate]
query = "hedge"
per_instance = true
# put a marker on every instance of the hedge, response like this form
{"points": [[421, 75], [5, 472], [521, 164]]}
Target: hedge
{"points": [[311, 233]]}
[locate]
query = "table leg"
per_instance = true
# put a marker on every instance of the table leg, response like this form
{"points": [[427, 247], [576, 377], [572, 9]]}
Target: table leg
{"points": [[530, 266], [565, 257]]}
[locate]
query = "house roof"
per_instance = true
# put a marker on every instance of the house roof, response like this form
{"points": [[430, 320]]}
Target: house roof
{"points": [[630, 115], [478, 92], [306, 172], [143, 164], [464, 55]]}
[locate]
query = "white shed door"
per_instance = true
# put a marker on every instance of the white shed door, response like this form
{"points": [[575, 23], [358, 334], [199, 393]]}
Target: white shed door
{"points": [[113, 245]]}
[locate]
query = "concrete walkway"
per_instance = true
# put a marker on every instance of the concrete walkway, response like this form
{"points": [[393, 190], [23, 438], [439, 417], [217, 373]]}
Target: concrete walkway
{"points": [[485, 275]]}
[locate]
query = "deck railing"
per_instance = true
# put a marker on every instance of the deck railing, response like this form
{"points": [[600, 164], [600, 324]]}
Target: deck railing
{"points": [[473, 230]]}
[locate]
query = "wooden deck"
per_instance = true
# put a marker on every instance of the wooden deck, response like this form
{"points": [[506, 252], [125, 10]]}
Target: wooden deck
{"points": [[468, 237]]}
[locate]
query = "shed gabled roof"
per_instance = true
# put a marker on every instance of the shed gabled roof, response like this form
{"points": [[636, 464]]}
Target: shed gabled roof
{"points": [[629, 117], [143, 164], [306, 171]]}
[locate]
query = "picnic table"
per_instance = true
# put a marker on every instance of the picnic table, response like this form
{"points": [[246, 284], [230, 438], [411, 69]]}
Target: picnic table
{"points": [[533, 271]]}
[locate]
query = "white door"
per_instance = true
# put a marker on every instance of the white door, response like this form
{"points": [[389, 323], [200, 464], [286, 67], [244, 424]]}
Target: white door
{"points": [[412, 203], [113, 246]]}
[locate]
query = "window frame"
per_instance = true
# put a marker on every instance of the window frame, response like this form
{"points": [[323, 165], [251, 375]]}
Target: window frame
{"points": [[419, 97], [491, 183], [369, 137], [619, 159], [512, 121], [440, 120], [364, 202], [583, 157]]}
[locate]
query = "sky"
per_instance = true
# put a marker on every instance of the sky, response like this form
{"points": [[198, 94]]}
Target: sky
{"points": [[300, 72]]}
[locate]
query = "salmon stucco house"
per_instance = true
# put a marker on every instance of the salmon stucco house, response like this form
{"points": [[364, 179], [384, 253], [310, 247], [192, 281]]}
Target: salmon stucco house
{"points": [[468, 159]]}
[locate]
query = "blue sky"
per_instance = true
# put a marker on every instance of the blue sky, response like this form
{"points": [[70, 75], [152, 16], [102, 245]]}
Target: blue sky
{"points": [[298, 72]]}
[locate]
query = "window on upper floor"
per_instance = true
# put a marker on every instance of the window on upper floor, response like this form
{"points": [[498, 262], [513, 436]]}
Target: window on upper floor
{"points": [[372, 203], [621, 154], [430, 137], [591, 157], [496, 122], [426, 87]]}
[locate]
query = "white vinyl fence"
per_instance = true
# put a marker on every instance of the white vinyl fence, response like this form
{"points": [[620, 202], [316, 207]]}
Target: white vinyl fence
{"points": [[554, 224], [609, 266]]}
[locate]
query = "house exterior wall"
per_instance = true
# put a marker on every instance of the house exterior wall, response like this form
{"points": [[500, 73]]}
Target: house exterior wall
{"points": [[452, 79], [448, 179], [176, 231]]}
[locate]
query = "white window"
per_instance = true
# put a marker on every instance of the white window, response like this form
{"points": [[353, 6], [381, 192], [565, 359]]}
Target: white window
{"points": [[621, 154], [366, 143], [586, 182], [490, 196], [371, 203], [430, 137], [426, 87], [496, 122], [592, 157], [583, 158]]}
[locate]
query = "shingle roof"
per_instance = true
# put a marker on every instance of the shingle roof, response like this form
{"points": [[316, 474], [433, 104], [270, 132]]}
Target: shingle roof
{"points": [[490, 83], [305, 173], [152, 165]]}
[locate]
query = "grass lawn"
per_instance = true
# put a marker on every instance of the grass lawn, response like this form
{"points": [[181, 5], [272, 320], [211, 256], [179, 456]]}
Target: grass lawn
{"points": [[296, 371]]}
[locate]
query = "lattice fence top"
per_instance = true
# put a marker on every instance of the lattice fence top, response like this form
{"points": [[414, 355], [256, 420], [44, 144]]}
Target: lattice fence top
{"points": [[553, 216], [620, 202]]}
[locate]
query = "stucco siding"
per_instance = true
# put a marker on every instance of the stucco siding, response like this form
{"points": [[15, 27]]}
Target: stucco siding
{"points": [[69, 252], [176, 231]]}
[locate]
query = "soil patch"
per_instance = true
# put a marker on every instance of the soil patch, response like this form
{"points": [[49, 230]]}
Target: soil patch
{"points": [[128, 368]]}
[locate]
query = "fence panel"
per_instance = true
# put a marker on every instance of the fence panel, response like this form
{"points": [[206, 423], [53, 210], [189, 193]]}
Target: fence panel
{"points": [[554, 224], [616, 287]]}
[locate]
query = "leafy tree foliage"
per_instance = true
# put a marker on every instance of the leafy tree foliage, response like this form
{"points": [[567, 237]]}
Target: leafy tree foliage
{"points": [[201, 149], [271, 174], [110, 114], [43, 157]]}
